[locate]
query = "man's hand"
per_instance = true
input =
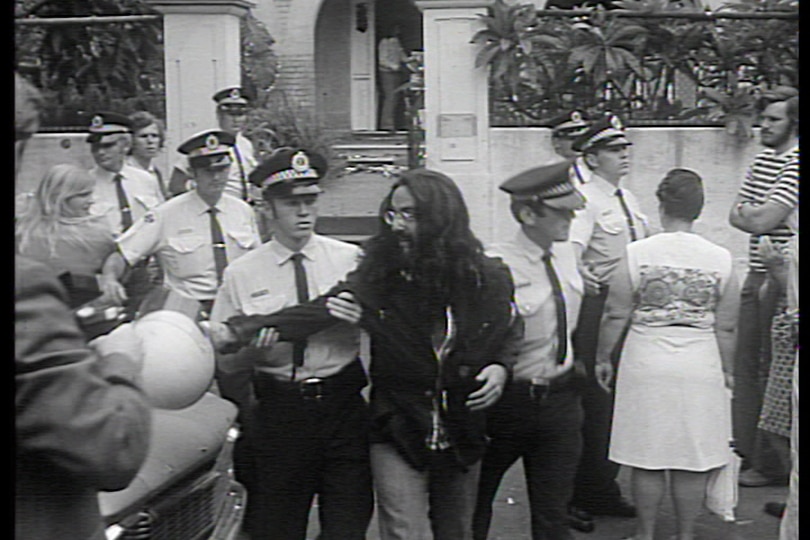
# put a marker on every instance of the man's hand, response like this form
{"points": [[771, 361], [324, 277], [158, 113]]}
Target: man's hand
{"points": [[220, 335], [112, 290], [344, 307], [589, 279], [494, 378], [603, 370], [265, 338]]}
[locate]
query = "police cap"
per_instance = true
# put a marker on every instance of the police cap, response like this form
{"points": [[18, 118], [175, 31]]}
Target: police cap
{"points": [[547, 184], [605, 132], [107, 123], [208, 149], [569, 125], [290, 171], [232, 98]]}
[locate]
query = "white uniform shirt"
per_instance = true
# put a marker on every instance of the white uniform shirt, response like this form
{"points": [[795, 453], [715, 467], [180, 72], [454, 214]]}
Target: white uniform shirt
{"points": [[143, 194], [534, 297], [580, 173], [263, 282], [247, 159], [601, 226], [178, 232]]}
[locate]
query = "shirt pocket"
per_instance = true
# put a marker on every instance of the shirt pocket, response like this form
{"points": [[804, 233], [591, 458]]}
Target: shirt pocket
{"points": [[243, 239], [611, 221], [189, 255], [527, 304]]}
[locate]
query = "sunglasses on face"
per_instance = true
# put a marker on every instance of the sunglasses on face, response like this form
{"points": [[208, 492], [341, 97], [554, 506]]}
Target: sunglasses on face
{"points": [[391, 215]]}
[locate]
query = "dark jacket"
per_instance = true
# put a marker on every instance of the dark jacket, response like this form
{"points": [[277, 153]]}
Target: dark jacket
{"points": [[82, 425], [405, 374]]}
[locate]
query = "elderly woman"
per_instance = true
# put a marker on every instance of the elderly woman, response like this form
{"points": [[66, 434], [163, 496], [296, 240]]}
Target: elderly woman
{"points": [[57, 229], [679, 295], [148, 136]]}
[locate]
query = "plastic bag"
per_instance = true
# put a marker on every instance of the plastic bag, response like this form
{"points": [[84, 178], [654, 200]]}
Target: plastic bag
{"points": [[721, 488]]}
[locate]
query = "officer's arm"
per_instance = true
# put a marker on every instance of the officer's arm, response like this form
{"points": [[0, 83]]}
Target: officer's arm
{"points": [[111, 272]]}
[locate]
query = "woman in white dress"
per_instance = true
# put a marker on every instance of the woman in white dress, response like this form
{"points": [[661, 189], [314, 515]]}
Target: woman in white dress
{"points": [[672, 416]]}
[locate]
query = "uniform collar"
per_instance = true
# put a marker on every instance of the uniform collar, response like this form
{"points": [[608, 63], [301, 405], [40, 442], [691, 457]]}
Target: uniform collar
{"points": [[603, 185], [283, 253], [199, 205]]}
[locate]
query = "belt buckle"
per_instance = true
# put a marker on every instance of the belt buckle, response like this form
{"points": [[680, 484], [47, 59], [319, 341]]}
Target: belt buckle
{"points": [[311, 388]]}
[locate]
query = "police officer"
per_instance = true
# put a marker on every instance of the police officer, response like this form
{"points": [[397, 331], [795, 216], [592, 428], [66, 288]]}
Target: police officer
{"points": [[308, 432], [193, 235], [539, 417], [123, 193], [232, 108], [565, 128], [600, 232]]}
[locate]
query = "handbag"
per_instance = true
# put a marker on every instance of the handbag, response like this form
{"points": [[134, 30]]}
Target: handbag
{"points": [[721, 488]]}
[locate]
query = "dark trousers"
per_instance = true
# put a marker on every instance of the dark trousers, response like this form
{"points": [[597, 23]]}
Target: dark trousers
{"points": [[303, 446], [595, 482], [544, 431], [751, 365]]}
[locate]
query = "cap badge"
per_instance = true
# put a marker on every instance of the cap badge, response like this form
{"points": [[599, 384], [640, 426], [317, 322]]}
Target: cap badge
{"points": [[616, 123], [235, 94], [300, 162], [97, 121], [211, 142], [576, 116]]}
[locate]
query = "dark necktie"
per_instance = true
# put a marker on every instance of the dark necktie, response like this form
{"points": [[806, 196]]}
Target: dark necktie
{"points": [[302, 293], [123, 203], [242, 177], [627, 215], [559, 303], [218, 243]]}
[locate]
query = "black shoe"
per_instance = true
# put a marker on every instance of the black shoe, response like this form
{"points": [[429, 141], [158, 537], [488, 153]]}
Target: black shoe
{"points": [[615, 508], [579, 513], [775, 509]]}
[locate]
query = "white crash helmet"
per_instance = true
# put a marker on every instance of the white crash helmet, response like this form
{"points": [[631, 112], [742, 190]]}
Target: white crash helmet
{"points": [[178, 360]]}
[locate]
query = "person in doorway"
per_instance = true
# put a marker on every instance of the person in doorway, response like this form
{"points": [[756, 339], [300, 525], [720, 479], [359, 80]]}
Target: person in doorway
{"points": [[232, 107], [443, 328], [764, 202], [307, 432], [672, 417], [610, 220], [193, 235], [539, 417], [391, 59]]}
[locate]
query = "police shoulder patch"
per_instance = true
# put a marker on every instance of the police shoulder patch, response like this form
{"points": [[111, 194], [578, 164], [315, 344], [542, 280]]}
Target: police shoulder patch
{"points": [[149, 217]]}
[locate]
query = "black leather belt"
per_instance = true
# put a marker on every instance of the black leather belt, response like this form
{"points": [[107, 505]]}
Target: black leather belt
{"points": [[539, 389], [349, 380]]}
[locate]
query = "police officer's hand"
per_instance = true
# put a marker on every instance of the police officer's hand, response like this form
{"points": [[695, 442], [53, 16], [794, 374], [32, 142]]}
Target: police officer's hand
{"points": [[265, 338], [604, 374], [493, 378], [112, 290], [344, 307], [589, 279]]}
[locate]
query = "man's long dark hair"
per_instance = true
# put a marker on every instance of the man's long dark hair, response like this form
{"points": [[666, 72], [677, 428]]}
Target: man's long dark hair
{"points": [[446, 259]]}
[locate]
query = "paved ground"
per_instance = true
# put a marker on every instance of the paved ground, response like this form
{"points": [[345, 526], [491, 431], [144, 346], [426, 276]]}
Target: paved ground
{"points": [[511, 516]]}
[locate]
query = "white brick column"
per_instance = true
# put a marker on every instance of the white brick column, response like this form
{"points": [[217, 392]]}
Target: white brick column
{"points": [[457, 105], [201, 55]]}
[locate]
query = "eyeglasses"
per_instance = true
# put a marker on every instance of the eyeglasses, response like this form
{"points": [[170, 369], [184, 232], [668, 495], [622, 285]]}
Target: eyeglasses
{"points": [[407, 216]]}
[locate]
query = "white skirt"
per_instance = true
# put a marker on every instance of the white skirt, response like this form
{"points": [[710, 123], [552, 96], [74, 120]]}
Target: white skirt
{"points": [[672, 410]]}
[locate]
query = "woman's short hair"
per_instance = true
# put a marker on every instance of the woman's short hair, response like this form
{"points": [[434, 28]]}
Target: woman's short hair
{"points": [[142, 119], [681, 194]]}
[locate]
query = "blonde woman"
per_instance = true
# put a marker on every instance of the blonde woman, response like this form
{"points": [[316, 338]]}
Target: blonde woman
{"points": [[58, 230]]}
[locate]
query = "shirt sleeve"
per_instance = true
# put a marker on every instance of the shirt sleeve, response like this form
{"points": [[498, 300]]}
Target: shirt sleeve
{"points": [[582, 226], [142, 239], [786, 189], [75, 411]]}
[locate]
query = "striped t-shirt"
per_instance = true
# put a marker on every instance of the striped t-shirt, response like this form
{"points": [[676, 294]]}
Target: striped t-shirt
{"points": [[773, 177]]}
